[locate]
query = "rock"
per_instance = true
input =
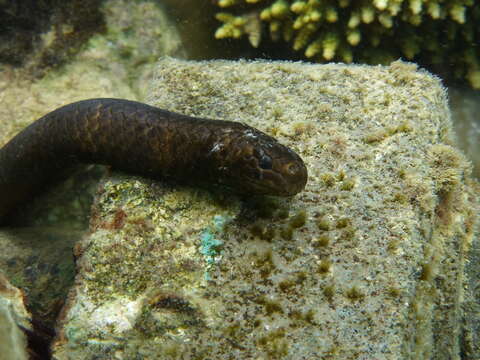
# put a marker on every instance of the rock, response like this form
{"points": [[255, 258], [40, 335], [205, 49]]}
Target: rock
{"points": [[366, 263], [14, 322]]}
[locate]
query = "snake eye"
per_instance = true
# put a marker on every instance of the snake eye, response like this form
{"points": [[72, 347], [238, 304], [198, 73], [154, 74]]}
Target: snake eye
{"points": [[265, 162], [292, 169]]}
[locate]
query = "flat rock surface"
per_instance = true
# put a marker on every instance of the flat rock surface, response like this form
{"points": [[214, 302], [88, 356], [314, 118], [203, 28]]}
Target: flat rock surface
{"points": [[366, 263]]}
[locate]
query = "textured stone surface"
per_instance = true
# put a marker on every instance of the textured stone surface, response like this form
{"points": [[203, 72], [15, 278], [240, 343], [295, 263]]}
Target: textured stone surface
{"points": [[366, 263], [13, 317]]}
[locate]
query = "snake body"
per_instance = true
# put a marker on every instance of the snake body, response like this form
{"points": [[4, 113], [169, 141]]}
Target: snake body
{"points": [[145, 140]]}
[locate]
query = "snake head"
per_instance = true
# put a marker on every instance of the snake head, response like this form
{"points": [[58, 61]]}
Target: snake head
{"points": [[256, 163]]}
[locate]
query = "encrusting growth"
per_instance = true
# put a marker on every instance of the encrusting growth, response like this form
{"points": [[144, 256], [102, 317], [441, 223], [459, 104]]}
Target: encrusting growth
{"points": [[428, 31]]}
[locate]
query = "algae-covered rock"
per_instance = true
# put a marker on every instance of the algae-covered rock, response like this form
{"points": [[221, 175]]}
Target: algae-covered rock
{"points": [[366, 263], [14, 320], [46, 34], [116, 63]]}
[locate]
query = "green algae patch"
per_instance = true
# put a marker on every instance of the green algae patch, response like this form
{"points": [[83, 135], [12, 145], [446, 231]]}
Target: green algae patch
{"points": [[366, 263], [210, 243]]}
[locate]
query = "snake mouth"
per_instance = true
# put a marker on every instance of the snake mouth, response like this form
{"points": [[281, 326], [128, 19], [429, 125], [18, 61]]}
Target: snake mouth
{"points": [[278, 184]]}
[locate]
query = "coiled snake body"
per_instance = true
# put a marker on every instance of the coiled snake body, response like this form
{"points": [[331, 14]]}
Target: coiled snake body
{"points": [[145, 140]]}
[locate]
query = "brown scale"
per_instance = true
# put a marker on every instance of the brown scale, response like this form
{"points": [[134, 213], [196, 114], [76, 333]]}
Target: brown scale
{"points": [[145, 140]]}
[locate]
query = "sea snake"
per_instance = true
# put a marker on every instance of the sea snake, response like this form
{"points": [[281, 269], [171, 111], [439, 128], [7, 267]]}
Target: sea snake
{"points": [[141, 139]]}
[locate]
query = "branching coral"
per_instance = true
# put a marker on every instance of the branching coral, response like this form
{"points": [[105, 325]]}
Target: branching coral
{"points": [[436, 33]]}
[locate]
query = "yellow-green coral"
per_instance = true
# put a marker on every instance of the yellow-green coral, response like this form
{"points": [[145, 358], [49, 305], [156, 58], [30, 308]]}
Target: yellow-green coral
{"points": [[432, 32]]}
